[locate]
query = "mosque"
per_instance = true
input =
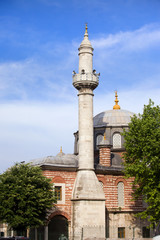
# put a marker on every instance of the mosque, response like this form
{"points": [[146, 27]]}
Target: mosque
{"points": [[93, 197]]}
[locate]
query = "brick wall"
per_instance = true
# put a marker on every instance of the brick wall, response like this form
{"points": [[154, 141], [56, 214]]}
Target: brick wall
{"points": [[105, 156], [63, 177], [110, 183]]}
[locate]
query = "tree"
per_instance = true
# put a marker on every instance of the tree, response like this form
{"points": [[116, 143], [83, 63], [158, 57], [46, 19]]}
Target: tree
{"points": [[26, 196], [142, 159]]}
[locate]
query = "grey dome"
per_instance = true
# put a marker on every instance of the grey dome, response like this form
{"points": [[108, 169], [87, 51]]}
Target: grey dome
{"points": [[61, 159], [117, 117]]}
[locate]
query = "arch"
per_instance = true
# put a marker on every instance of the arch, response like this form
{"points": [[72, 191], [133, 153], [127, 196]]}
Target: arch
{"points": [[120, 179], [117, 140], [58, 179], [58, 212], [58, 228]]}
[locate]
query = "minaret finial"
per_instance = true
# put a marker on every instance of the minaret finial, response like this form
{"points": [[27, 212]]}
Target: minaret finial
{"points": [[86, 30], [116, 106], [86, 27]]}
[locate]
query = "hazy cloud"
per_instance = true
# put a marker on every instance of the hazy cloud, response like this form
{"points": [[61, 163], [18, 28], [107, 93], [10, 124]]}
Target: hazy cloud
{"points": [[145, 37], [35, 129]]}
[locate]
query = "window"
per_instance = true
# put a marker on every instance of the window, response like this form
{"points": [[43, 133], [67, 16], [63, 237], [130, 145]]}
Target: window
{"points": [[59, 189], [99, 139], [121, 232], [58, 193], [120, 189], [1, 234], [146, 232], [117, 140]]}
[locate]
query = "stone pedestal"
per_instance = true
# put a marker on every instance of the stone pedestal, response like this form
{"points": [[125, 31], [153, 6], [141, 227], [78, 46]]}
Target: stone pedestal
{"points": [[88, 207]]}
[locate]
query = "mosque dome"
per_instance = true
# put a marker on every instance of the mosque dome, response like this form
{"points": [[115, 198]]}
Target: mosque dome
{"points": [[116, 117]]}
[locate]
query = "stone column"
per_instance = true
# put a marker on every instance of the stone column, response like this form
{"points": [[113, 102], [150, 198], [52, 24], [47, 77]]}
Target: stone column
{"points": [[85, 129]]}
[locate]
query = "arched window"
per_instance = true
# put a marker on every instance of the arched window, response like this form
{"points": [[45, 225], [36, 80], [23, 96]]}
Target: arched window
{"points": [[117, 140], [99, 139], [120, 189]]}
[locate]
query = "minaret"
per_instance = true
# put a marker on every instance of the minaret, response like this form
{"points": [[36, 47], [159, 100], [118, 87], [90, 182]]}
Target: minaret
{"points": [[88, 200]]}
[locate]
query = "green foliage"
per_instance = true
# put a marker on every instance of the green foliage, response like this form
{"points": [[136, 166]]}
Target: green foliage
{"points": [[26, 196], [142, 159]]}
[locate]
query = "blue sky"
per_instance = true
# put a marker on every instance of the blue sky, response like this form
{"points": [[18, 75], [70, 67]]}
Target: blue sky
{"points": [[38, 51]]}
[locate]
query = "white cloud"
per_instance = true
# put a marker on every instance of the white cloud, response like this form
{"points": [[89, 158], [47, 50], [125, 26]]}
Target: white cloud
{"points": [[48, 76], [37, 129], [38, 77], [145, 37], [31, 130]]}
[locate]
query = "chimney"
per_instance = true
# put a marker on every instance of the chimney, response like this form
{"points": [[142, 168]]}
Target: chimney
{"points": [[105, 152]]}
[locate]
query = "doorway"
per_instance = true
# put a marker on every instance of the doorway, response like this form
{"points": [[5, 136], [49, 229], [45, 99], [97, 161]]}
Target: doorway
{"points": [[58, 228]]}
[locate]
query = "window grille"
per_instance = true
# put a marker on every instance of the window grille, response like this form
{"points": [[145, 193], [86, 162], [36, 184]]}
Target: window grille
{"points": [[121, 232], [146, 232], [58, 193], [117, 140], [120, 194], [99, 139]]}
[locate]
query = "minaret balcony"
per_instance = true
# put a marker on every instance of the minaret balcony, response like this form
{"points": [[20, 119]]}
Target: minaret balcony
{"points": [[85, 80]]}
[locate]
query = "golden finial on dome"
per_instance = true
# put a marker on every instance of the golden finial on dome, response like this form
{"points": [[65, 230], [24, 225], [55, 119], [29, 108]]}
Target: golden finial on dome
{"points": [[116, 106], [60, 154], [61, 149]]}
